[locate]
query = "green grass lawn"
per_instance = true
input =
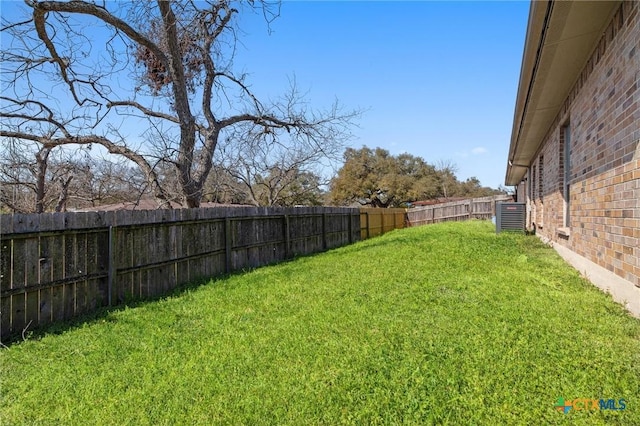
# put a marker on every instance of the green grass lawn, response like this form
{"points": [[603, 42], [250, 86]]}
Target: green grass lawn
{"points": [[442, 324]]}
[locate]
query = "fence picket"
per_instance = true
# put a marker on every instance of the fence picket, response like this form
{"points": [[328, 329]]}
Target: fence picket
{"points": [[476, 208], [59, 265]]}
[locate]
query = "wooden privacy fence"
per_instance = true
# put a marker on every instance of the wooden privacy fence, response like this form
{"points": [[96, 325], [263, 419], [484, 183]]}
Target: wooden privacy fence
{"points": [[473, 208], [375, 221], [56, 266]]}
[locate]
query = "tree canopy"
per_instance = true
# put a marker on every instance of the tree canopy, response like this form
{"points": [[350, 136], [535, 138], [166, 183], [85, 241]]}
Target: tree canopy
{"points": [[376, 178]]}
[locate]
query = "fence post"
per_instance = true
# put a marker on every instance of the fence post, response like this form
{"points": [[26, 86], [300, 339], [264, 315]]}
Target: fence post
{"points": [[227, 243], [287, 237], [470, 209], [324, 231], [382, 222], [349, 227], [112, 267]]}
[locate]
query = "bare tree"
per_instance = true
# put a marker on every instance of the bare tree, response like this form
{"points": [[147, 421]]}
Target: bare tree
{"points": [[281, 171], [36, 178], [447, 170], [67, 68], [100, 182], [29, 184], [223, 188]]}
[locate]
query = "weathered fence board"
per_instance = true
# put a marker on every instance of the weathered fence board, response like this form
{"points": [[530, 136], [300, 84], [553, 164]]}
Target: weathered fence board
{"points": [[474, 208], [60, 265]]}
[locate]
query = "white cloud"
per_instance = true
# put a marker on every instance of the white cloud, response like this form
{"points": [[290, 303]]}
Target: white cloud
{"points": [[479, 150]]}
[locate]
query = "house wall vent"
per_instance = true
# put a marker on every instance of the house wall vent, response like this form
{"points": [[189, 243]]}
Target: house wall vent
{"points": [[510, 217]]}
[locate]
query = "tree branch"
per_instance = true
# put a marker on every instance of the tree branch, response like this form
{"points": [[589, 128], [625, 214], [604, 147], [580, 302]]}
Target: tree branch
{"points": [[85, 8], [112, 147], [144, 110]]}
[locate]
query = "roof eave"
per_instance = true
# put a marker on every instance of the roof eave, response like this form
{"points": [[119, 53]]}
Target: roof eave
{"points": [[561, 37]]}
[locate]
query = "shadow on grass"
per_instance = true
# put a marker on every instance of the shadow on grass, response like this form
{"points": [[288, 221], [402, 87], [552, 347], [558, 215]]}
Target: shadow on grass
{"points": [[104, 312]]}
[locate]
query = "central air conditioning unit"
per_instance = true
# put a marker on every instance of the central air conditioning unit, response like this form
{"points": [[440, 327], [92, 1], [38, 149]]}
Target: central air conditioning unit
{"points": [[510, 217]]}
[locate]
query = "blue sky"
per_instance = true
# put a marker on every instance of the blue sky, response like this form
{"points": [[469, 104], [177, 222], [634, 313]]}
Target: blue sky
{"points": [[438, 79]]}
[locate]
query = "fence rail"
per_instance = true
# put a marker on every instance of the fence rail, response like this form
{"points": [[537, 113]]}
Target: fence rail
{"points": [[60, 265], [474, 208]]}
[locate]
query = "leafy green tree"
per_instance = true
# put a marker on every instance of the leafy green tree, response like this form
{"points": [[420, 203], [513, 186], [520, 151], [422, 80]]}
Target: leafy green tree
{"points": [[375, 178], [472, 188]]}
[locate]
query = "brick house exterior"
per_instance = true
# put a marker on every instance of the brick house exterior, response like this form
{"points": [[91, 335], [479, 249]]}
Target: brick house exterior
{"points": [[575, 154]]}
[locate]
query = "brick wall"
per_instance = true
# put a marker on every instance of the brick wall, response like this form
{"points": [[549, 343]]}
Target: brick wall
{"points": [[602, 112]]}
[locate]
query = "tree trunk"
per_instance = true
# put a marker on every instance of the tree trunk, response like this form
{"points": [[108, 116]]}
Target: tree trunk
{"points": [[64, 194], [41, 163]]}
